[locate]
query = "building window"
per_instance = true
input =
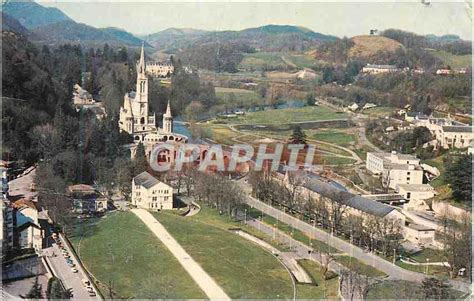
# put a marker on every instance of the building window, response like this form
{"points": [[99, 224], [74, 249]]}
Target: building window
{"points": [[154, 199]]}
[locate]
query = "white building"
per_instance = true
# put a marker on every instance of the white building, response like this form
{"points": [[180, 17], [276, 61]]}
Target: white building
{"points": [[149, 193], [419, 234], [159, 69], [378, 69], [81, 96], [416, 191], [395, 169], [447, 132], [31, 225]]}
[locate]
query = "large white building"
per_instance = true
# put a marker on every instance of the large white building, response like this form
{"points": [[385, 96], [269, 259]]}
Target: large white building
{"points": [[149, 193], [159, 69], [378, 69], [395, 169], [447, 132]]}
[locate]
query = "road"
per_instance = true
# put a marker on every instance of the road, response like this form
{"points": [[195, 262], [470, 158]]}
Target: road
{"points": [[394, 271], [202, 279], [63, 272]]}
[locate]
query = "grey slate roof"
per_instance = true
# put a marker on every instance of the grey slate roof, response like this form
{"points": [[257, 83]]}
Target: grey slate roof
{"points": [[146, 180], [458, 129], [348, 199]]}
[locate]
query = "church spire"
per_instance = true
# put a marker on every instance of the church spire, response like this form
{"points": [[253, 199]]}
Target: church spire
{"points": [[168, 120], [168, 110], [141, 64]]}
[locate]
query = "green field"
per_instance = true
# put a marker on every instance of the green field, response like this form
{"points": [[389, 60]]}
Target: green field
{"points": [[358, 266], [243, 269], [455, 61], [262, 61], [400, 290], [324, 289], [237, 97], [282, 116], [332, 136], [120, 250], [276, 61]]}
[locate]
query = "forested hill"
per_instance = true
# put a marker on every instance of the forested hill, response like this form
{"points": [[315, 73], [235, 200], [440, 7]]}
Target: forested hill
{"points": [[264, 38], [32, 15], [52, 27]]}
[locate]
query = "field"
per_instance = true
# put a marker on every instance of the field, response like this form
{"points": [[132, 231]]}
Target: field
{"points": [[241, 268], [120, 250], [358, 266], [455, 61], [282, 116], [237, 97], [325, 289], [379, 112], [366, 46], [400, 290], [276, 60], [332, 136]]}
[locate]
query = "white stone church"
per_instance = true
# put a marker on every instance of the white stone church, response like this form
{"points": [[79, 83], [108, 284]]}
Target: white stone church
{"points": [[137, 120]]}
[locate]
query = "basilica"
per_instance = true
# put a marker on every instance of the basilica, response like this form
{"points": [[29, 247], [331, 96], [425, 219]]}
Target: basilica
{"points": [[137, 120]]}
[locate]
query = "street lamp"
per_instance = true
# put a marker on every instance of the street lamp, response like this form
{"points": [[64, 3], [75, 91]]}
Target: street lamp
{"points": [[274, 231], [245, 216], [394, 255], [427, 265]]}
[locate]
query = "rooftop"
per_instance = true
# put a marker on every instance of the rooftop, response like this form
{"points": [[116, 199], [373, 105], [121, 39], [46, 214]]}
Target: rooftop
{"points": [[347, 198], [458, 129], [146, 180], [418, 227]]}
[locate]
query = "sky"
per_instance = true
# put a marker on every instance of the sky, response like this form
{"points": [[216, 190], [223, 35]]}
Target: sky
{"points": [[333, 17]]}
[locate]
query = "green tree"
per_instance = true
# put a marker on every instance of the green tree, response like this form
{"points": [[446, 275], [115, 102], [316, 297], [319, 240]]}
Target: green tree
{"points": [[459, 176], [298, 136], [35, 291], [140, 163], [310, 99], [434, 289]]}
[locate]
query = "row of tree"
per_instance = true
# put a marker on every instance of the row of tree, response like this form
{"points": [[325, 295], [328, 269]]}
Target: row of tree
{"points": [[330, 212]]}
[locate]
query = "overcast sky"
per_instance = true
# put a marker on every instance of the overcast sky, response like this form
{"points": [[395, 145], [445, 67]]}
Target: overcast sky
{"points": [[347, 18]]}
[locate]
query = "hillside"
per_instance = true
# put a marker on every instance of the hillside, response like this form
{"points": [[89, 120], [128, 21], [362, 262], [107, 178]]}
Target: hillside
{"points": [[12, 24], [70, 31], [32, 15], [264, 38], [368, 46]]}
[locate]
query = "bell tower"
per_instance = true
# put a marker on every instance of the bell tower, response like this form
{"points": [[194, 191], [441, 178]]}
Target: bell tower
{"points": [[168, 120]]}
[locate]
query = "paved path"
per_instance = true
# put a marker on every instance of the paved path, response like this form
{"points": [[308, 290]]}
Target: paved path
{"points": [[205, 282], [394, 271]]}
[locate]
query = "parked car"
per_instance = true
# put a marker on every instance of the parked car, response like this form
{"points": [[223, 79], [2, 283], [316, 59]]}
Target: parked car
{"points": [[74, 270], [92, 294], [86, 282]]}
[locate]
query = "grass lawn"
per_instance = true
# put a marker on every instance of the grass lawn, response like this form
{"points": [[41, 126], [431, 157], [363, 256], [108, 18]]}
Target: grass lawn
{"points": [[243, 269], [237, 97], [295, 233], [400, 290], [324, 289], [262, 60], [332, 136], [455, 61], [309, 113], [358, 266], [439, 271], [379, 112], [120, 249]]}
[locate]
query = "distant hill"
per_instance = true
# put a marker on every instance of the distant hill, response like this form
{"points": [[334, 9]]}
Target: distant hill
{"points": [[32, 15], [367, 46], [173, 39], [70, 31], [265, 38], [12, 24]]}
